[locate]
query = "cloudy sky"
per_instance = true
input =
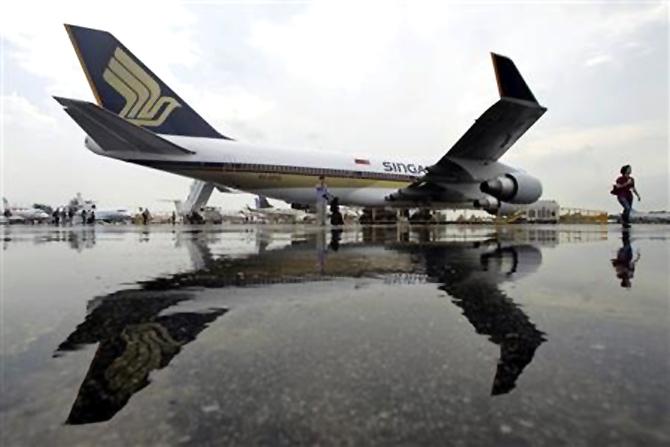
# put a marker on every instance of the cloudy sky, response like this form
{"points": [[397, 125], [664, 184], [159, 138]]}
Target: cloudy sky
{"points": [[377, 77]]}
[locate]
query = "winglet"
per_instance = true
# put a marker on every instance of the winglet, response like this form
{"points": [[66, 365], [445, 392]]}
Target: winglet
{"points": [[510, 82]]}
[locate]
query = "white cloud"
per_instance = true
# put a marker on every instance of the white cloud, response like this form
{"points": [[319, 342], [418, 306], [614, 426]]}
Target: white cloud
{"points": [[330, 44], [161, 33], [19, 112], [598, 60], [570, 140], [229, 108]]}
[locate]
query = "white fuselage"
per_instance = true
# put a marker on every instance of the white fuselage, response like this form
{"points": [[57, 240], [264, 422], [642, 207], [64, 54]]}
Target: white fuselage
{"points": [[292, 175], [29, 214]]}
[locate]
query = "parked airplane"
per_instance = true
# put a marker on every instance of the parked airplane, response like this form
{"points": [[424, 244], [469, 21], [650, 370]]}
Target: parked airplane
{"points": [[109, 215], [139, 119], [264, 210], [17, 214]]}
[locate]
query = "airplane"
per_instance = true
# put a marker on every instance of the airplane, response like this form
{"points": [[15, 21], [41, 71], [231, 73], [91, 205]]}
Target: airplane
{"points": [[120, 215], [16, 214], [139, 119], [263, 209], [108, 215]]}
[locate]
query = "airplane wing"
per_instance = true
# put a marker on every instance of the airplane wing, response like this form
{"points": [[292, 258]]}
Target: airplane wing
{"points": [[491, 135], [113, 133], [499, 127]]}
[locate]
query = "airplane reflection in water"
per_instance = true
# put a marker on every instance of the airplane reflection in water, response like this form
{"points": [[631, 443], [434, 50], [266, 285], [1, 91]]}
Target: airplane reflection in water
{"points": [[133, 341], [136, 336]]}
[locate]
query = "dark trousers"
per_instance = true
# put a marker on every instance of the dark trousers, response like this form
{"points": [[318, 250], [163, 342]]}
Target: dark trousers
{"points": [[627, 206]]}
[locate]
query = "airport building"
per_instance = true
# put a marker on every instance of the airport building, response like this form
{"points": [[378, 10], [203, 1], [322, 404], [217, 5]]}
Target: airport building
{"points": [[542, 211]]}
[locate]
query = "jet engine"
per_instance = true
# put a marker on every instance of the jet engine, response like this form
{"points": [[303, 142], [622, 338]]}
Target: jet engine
{"points": [[487, 203], [517, 188], [495, 207]]}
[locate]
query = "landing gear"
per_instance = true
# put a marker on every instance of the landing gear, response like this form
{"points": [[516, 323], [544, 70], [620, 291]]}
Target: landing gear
{"points": [[382, 216], [422, 216], [396, 216], [194, 218]]}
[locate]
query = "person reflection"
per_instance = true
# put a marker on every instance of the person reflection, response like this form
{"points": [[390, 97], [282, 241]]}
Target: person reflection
{"points": [[335, 237], [82, 238], [624, 264], [321, 250]]}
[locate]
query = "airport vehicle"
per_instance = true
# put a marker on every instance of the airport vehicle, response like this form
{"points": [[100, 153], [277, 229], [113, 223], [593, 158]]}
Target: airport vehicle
{"points": [[139, 119], [17, 214]]}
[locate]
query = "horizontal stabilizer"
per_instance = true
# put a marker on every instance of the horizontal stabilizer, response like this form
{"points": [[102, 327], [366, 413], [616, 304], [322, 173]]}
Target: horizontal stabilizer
{"points": [[113, 133]]}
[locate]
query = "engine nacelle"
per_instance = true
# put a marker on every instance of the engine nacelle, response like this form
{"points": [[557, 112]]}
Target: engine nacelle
{"points": [[517, 260], [495, 207], [513, 188], [488, 204]]}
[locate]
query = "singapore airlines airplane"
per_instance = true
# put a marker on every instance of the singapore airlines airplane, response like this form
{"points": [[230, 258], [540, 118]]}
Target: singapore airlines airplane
{"points": [[139, 119]]}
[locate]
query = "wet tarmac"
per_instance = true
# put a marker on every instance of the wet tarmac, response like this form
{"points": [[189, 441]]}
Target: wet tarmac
{"points": [[521, 335]]}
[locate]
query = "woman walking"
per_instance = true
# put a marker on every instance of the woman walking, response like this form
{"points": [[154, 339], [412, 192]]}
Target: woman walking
{"points": [[623, 189]]}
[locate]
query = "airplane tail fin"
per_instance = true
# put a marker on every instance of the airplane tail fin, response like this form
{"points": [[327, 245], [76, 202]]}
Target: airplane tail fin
{"points": [[122, 84], [262, 203]]}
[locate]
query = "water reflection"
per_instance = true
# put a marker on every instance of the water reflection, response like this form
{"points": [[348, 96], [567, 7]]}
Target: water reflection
{"points": [[133, 341], [491, 312], [137, 334], [78, 238], [470, 273], [623, 263]]}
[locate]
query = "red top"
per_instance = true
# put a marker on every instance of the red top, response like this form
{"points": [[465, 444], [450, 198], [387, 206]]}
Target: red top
{"points": [[625, 191]]}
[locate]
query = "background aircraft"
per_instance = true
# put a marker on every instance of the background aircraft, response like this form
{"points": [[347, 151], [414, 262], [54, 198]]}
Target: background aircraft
{"points": [[263, 210], [18, 214], [110, 215]]}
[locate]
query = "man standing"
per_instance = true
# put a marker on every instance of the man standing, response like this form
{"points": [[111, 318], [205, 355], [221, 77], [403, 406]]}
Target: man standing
{"points": [[321, 201], [145, 216]]}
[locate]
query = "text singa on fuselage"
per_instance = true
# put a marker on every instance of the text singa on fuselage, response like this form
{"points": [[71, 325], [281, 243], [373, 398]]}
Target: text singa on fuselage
{"points": [[404, 168]]}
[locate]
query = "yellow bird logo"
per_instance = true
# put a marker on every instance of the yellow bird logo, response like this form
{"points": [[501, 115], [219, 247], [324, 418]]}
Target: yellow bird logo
{"points": [[144, 104]]}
